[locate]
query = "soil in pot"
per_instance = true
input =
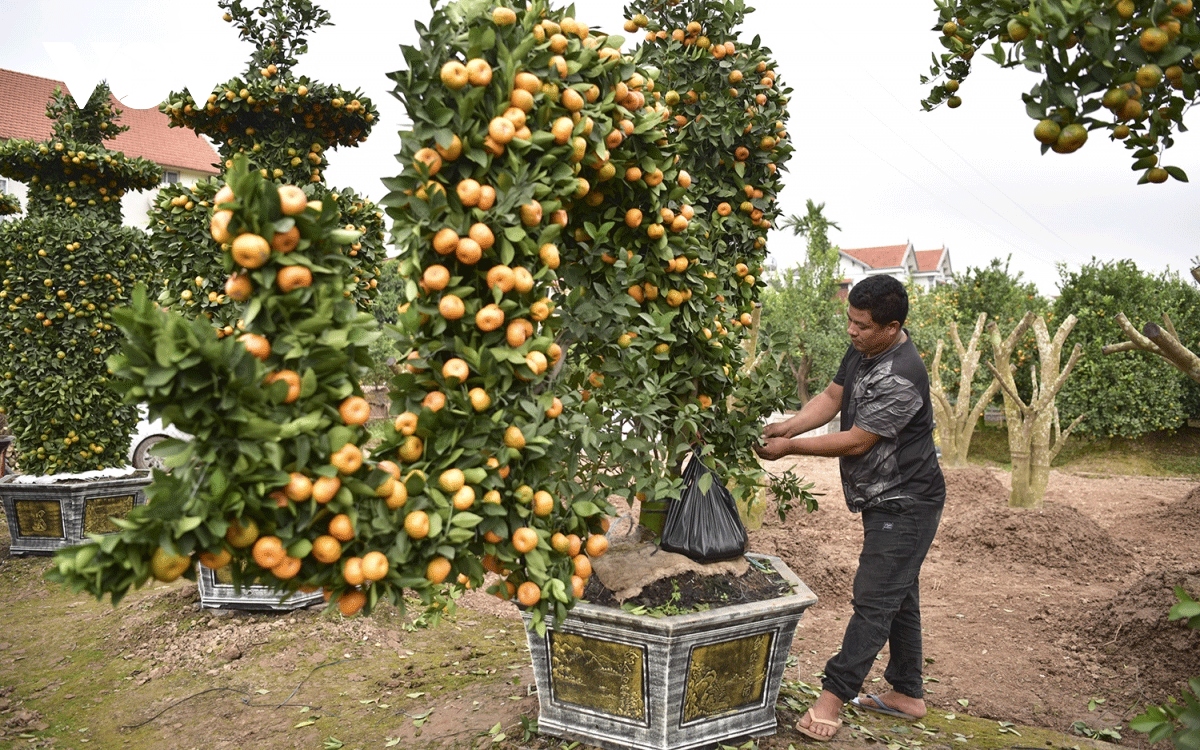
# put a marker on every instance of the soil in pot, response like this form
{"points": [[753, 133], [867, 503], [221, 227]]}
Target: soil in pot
{"points": [[694, 592]]}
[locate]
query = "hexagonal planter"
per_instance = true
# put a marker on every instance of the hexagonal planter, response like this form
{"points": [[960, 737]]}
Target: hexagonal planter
{"points": [[44, 517], [218, 592], [616, 680]]}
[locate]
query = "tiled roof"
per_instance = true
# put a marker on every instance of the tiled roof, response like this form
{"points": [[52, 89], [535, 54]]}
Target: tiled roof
{"points": [[929, 260], [887, 256], [24, 116]]}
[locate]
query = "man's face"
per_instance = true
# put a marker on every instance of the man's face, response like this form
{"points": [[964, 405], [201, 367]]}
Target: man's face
{"points": [[866, 335]]}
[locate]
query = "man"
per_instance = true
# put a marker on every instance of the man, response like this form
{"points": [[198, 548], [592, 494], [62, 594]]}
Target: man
{"points": [[890, 475]]}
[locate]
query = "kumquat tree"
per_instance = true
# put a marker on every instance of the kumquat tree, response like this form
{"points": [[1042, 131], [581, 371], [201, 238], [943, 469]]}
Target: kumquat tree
{"points": [[285, 125], [551, 252], [1127, 67], [67, 265]]}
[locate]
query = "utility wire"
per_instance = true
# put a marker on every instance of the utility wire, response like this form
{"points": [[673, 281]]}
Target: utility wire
{"points": [[961, 186], [973, 168], [938, 198]]}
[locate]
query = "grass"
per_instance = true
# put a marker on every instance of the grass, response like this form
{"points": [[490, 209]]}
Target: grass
{"points": [[1164, 453]]}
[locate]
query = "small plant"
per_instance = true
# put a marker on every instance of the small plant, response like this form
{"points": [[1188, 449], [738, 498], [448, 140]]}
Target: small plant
{"points": [[1104, 735], [788, 488]]}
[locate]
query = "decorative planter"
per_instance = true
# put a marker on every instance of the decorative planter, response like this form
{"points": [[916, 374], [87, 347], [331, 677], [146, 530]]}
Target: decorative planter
{"points": [[616, 680], [44, 517], [218, 592]]}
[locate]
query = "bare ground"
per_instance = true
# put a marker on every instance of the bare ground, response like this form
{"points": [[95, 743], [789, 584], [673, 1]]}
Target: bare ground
{"points": [[1029, 616]]}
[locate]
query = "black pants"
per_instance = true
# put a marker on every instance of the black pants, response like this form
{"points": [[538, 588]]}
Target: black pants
{"points": [[887, 603]]}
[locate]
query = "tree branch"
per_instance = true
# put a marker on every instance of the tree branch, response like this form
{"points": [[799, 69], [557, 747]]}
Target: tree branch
{"points": [[1060, 440], [982, 404], [1124, 346], [1049, 393], [1012, 392], [1163, 342]]}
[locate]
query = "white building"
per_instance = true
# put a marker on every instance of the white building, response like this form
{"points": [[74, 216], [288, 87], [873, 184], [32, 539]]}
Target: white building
{"points": [[927, 268], [184, 156]]}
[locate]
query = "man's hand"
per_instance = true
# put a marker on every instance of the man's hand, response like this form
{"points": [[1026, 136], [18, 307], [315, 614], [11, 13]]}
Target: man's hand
{"points": [[776, 430], [774, 448]]}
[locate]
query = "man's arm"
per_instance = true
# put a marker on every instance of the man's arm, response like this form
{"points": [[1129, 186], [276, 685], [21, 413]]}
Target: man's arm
{"points": [[818, 411], [852, 442]]}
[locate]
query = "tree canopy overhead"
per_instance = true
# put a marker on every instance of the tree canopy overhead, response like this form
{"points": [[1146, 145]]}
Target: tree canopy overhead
{"points": [[1128, 67]]}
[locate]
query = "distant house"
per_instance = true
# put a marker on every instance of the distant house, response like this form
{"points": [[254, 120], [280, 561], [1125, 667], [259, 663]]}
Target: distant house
{"points": [[184, 156], [927, 268]]}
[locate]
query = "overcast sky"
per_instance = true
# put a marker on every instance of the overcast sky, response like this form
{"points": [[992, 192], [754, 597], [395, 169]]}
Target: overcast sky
{"points": [[972, 179]]}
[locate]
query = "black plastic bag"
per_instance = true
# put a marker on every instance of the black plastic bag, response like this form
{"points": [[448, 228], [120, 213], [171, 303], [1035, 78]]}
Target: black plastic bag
{"points": [[703, 523]]}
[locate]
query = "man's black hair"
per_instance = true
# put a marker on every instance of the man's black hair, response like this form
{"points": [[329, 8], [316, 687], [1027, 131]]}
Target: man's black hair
{"points": [[882, 296]]}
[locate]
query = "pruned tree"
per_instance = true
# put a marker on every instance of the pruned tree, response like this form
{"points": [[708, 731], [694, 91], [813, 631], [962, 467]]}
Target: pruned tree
{"points": [[956, 422], [1035, 435], [1161, 340]]}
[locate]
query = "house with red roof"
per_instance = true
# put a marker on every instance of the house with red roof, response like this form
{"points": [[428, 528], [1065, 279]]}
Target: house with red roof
{"points": [[926, 268], [184, 156]]}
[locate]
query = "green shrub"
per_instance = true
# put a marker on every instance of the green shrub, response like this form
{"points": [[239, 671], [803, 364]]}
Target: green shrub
{"points": [[1129, 393]]}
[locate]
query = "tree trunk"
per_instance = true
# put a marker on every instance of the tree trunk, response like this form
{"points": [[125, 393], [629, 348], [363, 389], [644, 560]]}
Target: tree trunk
{"points": [[957, 423], [802, 377], [1029, 424], [1021, 495], [1163, 341]]}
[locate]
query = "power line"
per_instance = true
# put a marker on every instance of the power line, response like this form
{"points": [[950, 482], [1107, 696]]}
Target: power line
{"points": [[973, 168], [906, 176], [966, 189]]}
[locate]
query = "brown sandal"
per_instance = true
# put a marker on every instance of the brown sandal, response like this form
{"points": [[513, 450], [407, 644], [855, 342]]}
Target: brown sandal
{"points": [[814, 720]]}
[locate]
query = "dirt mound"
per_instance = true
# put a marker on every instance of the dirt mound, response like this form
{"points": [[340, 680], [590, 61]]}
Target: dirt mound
{"points": [[1187, 506], [828, 571], [1053, 536], [1132, 632], [973, 486]]}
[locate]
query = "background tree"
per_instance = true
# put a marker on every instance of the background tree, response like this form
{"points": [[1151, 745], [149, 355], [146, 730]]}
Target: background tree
{"points": [[1164, 341], [1125, 394], [66, 265], [389, 296], [286, 125], [1035, 435], [1128, 67], [956, 421], [802, 305]]}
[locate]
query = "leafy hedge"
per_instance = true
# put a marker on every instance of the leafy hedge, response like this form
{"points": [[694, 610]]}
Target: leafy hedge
{"points": [[66, 266]]}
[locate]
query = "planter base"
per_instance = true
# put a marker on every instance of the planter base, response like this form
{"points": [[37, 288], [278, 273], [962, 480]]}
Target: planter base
{"points": [[45, 517], [618, 681], [218, 592]]}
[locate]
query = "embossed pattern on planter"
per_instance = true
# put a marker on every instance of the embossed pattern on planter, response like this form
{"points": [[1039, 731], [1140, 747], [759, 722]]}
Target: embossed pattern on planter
{"points": [[39, 518], [600, 675], [99, 511], [744, 639], [45, 517], [726, 676]]}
